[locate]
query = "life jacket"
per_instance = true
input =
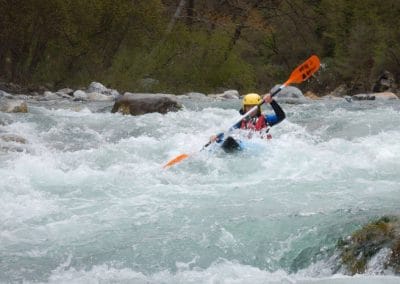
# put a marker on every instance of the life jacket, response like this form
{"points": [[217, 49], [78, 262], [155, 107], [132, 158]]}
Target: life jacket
{"points": [[256, 124]]}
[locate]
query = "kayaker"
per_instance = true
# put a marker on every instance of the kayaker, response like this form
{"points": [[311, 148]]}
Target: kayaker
{"points": [[257, 121]]}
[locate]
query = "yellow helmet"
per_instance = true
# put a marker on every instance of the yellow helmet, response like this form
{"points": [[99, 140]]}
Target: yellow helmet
{"points": [[251, 99]]}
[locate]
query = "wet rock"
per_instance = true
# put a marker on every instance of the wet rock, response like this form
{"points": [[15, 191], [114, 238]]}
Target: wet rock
{"points": [[384, 83], [7, 105], [376, 239], [363, 97], [66, 91], [137, 104], [230, 94], [49, 96], [4, 94], [96, 87], [80, 95], [385, 96], [312, 96], [99, 97]]}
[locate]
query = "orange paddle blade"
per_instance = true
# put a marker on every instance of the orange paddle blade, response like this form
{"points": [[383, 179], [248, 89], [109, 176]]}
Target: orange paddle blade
{"points": [[304, 71], [176, 160]]}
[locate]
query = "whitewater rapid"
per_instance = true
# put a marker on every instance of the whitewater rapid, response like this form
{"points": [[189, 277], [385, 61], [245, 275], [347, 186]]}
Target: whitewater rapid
{"points": [[86, 199]]}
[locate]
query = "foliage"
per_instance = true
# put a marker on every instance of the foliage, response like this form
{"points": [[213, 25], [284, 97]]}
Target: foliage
{"points": [[206, 46]]}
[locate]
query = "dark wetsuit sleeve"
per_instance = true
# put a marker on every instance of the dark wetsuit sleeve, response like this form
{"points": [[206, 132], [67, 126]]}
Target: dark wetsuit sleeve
{"points": [[279, 115]]}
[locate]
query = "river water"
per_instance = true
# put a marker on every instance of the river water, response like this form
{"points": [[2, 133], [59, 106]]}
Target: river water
{"points": [[87, 200]]}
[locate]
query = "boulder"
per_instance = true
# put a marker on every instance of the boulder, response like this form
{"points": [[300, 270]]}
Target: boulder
{"points": [[66, 91], [384, 83], [4, 94], [288, 92], [363, 97], [385, 96], [311, 95], [230, 94], [99, 97], [13, 106], [137, 104], [80, 95], [380, 238], [96, 87], [49, 96]]}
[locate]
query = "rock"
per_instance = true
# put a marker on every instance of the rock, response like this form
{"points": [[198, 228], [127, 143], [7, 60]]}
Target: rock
{"points": [[80, 95], [230, 94], [4, 94], [66, 91], [385, 82], [357, 250], [13, 106], [137, 104], [311, 95], [385, 96], [363, 97], [96, 87], [49, 96], [288, 92], [99, 97]]}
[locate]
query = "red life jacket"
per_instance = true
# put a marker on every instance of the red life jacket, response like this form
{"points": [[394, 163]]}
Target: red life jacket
{"points": [[254, 124]]}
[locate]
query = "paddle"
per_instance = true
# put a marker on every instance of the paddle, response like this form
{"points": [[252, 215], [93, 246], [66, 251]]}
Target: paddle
{"points": [[300, 74]]}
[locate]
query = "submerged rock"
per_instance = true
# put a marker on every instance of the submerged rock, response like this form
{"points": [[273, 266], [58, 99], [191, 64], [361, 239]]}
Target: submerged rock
{"points": [[379, 239], [137, 104], [13, 106]]}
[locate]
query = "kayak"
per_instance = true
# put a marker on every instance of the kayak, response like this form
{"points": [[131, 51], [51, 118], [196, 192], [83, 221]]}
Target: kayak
{"points": [[234, 145]]}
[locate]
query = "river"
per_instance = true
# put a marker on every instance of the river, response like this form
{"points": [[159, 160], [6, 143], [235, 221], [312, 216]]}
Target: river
{"points": [[87, 200]]}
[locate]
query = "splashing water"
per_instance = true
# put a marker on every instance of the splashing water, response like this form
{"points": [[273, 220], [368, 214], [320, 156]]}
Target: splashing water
{"points": [[87, 199]]}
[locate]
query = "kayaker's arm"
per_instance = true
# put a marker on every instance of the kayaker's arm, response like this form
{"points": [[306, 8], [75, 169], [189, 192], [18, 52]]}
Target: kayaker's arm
{"points": [[278, 116]]}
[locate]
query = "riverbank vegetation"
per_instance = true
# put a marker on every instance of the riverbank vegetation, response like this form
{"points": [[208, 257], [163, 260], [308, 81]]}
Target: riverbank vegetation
{"points": [[207, 45]]}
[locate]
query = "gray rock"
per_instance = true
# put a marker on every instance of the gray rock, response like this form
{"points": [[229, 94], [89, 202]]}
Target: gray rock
{"points": [[4, 94], [99, 97], [96, 87], [49, 96], [141, 103], [80, 95], [288, 92], [363, 97], [13, 106], [66, 91], [230, 94], [385, 96]]}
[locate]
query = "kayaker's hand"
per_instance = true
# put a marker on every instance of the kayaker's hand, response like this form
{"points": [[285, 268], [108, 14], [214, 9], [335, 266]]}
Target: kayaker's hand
{"points": [[213, 138], [267, 98]]}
